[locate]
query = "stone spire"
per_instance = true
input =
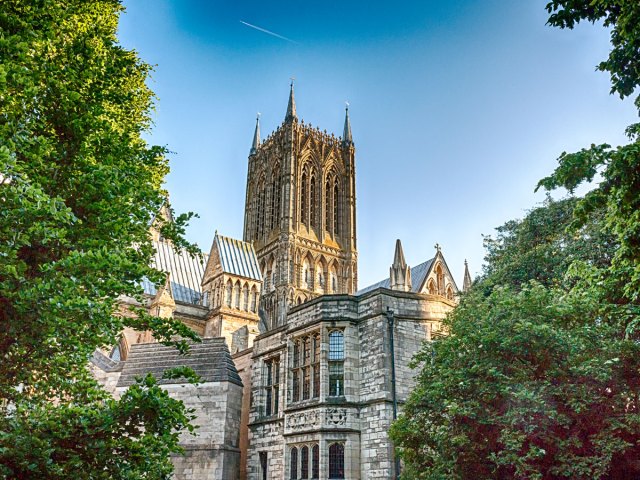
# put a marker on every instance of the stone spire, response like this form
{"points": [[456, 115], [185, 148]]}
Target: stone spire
{"points": [[466, 283], [399, 273], [163, 305], [346, 134], [291, 108], [256, 137]]}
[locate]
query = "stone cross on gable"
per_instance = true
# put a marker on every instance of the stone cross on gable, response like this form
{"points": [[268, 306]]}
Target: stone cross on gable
{"points": [[437, 247]]}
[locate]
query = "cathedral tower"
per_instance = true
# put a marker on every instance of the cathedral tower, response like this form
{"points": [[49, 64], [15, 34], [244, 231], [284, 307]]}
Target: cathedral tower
{"points": [[300, 213]]}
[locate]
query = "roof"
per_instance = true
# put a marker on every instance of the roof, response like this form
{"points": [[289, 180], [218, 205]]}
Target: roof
{"points": [[209, 359], [237, 257], [418, 274], [186, 272]]}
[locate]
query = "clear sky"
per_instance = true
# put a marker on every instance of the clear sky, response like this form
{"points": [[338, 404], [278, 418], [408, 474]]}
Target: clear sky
{"points": [[458, 108]]}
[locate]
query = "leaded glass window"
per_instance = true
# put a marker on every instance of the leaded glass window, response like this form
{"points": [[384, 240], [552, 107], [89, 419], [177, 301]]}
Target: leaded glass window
{"points": [[336, 460], [336, 363]]}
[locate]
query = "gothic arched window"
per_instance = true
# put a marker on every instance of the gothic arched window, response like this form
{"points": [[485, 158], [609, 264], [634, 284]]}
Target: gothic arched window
{"points": [[260, 213], [304, 462], [275, 198], [304, 199], [336, 208], [312, 201], [227, 294], [336, 460], [315, 466], [328, 217], [245, 297], [294, 463], [440, 279], [254, 299], [236, 295]]}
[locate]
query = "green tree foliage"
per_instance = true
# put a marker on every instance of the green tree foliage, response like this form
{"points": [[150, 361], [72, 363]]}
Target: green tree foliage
{"points": [[79, 188], [539, 377]]}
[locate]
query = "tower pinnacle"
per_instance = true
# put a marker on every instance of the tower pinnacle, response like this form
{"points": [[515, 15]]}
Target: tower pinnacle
{"points": [[346, 135], [291, 107], [400, 273], [466, 283], [256, 137]]}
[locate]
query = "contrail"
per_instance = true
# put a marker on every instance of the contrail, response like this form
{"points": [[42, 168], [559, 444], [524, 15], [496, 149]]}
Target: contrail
{"points": [[268, 32]]}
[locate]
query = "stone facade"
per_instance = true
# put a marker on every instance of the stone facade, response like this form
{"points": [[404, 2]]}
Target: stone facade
{"points": [[357, 416], [318, 370]]}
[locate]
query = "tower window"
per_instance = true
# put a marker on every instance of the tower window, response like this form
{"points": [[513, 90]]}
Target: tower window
{"points": [[328, 217], [312, 202], [304, 200], [271, 385], [336, 363], [263, 464], [336, 209], [305, 368]]}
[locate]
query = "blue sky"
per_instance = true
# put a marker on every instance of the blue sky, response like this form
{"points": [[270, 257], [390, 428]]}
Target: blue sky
{"points": [[458, 108]]}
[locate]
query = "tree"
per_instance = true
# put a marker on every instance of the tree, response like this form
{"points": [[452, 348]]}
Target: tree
{"points": [[539, 377], [79, 188]]}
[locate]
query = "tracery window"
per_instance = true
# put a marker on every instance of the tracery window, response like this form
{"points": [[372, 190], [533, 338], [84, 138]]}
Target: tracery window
{"points": [[304, 462], [328, 217], [336, 363], [312, 202], [336, 460], [294, 463], [305, 368], [275, 198], [336, 209], [271, 385], [304, 199], [260, 212], [315, 461]]}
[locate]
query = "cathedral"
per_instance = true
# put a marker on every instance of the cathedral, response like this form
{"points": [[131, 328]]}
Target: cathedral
{"points": [[302, 373]]}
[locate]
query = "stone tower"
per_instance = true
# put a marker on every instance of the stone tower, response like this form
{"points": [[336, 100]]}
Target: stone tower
{"points": [[300, 213]]}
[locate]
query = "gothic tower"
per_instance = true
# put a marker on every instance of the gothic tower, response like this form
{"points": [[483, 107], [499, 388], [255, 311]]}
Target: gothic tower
{"points": [[300, 213]]}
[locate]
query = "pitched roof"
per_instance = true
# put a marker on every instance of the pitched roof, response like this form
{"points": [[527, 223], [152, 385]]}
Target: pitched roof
{"points": [[209, 359], [418, 274], [186, 272], [237, 257]]}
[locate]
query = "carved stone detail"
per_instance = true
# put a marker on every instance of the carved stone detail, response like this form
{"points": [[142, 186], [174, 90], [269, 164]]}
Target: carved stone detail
{"points": [[302, 420], [336, 416]]}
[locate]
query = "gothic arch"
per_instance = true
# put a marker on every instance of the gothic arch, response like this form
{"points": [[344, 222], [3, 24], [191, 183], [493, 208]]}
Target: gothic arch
{"points": [[228, 294], [449, 292], [431, 287], [245, 297], [276, 195], [332, 278], [236, 295], [439, 278], [320, 273]]}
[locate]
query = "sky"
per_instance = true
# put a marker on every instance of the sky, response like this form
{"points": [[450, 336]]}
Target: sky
{"points": [[458, 108]]}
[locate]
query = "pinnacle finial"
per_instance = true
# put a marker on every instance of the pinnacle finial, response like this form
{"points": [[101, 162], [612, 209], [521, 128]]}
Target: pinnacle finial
{"points": [[347, 138], [466, 283], [399, 273], [398, 258], [291, 106], [256, 136]]}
